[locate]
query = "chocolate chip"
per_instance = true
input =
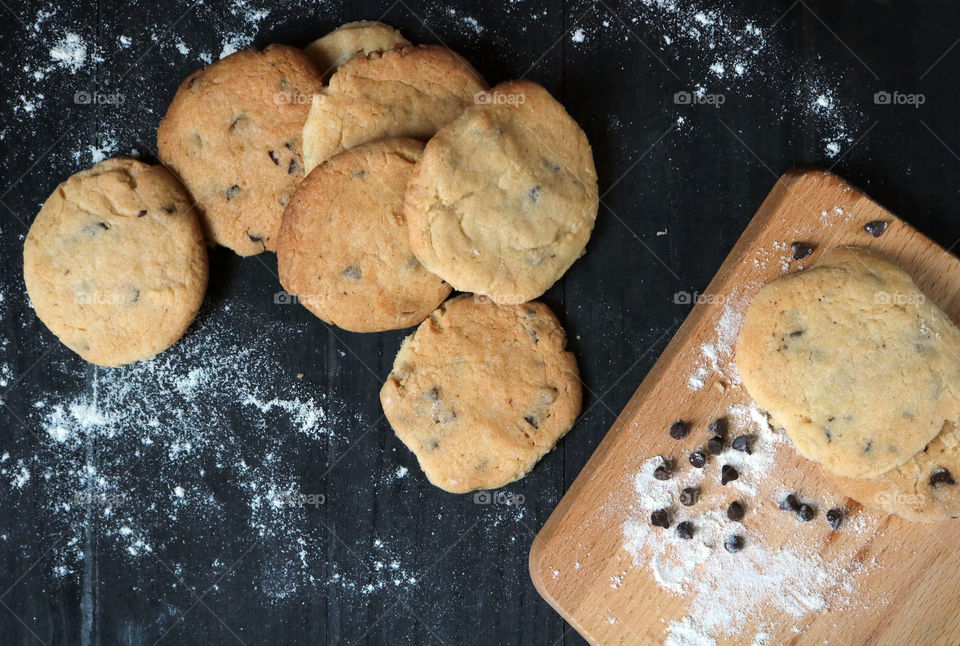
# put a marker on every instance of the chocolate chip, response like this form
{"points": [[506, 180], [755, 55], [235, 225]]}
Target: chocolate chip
{"points": [[698, 459], [232, 192], [735, 511], [734, 543], [868, 447], [806, 513], [835, 518], [237, 121], [728, 473], [719, 426], [255, 239], [689, 496], [134, 294], [796, 333], [660, 518], [715, 445], [353, 272], [685, 530], [534, 193], [801, 250], [142, 213], [274, 157], [104, 226], [662, 472], [360, 174], [876, 227], [940, 477], [742, 443], [294, 167], [168, 209], [790, 503], [532, 421], [679, 430], [191, 82]]}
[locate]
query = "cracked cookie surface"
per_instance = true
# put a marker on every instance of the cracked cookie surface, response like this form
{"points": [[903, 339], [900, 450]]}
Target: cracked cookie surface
{"points": [[403, 92], [343, 247], [115, 262], [480, 392], [504, 198], [233, 135], [853, 361]]}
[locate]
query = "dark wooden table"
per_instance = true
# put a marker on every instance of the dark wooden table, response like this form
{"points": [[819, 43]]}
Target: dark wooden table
{"points": [[675, 198]]}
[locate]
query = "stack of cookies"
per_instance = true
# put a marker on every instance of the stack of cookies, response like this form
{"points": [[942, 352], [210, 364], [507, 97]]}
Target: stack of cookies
{"points": [[384, 175], [861, 370]]}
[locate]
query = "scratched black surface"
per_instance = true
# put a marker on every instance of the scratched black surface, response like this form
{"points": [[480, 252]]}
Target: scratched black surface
{"points": [[702, 185]]}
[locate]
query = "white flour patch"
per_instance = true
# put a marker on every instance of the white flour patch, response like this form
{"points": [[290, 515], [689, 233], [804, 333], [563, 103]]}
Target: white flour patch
{"points": [[250, 17], [70, 52]]}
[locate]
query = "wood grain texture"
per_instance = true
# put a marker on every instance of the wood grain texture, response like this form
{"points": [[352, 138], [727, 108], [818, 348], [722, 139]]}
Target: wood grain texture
{"points": [[909, 589]]}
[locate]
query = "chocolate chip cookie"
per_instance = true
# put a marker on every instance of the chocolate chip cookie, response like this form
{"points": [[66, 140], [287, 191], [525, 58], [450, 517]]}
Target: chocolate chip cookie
{"points": [[232, 134], [853, 361], [480, 392], [504, 198], [343, 247], [404, 92], [346, 41], [115, 262]]}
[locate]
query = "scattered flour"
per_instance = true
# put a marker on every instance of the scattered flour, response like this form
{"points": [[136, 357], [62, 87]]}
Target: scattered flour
{"points": [[727, 592]]}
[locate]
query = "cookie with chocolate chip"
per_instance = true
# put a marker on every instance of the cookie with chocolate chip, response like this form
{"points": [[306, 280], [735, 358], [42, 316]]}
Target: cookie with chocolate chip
{"points": [[346, 41], [343, 248], [504, 198], [922, 489], [402, 92], [233, 135], [480, 392], [115, 262], [857, 365]]}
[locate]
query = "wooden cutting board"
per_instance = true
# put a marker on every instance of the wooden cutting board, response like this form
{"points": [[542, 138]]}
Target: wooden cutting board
{"points": [[906, 582]]}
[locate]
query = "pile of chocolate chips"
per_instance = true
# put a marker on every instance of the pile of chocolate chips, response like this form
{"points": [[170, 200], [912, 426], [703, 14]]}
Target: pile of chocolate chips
{"points": [[689, 496]]}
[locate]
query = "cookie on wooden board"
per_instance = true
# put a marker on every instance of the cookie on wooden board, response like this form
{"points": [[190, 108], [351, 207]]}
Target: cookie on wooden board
{"points": [[480, 392], [115, 262], [853, 361], [403, 92], [346, 41], [504, 198], [343, 247], [232, 134]]}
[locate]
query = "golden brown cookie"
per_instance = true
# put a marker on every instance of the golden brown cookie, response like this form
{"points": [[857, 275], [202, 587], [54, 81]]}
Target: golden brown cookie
{"points": [[404, 92], [232, 134], [346, 41], [343, 248], [115, 262], [853, 361], [922, 489], [480, 392], [504, 198]]}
